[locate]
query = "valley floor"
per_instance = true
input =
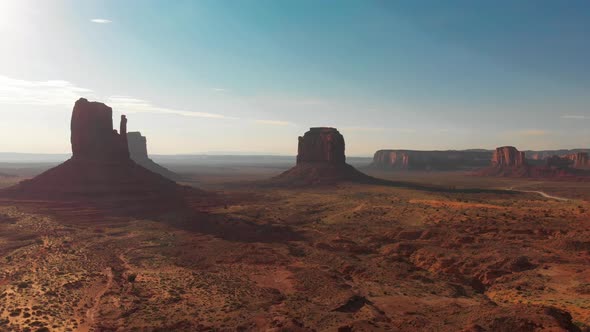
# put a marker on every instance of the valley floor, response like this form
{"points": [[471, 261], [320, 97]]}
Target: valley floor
{"points": [[351, 257]]}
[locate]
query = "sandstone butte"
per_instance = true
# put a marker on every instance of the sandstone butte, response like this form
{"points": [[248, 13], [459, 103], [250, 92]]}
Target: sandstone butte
{"points": [[100, 168], [320, 160], [138, 152]]}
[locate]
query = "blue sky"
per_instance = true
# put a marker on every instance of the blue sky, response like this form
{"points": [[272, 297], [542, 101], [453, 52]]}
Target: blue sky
{"points": [[250, 76]]}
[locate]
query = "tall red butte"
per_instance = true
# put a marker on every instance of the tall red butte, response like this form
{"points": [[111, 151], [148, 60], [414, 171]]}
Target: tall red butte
{"points": [[100, 168], [320, 160]]}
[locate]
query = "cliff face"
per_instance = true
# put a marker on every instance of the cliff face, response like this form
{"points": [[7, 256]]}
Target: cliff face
{"points": [[429, 160], [508, 156], [580, 159], [321, 144], [137, 145], [138, 152], [92, 133]]}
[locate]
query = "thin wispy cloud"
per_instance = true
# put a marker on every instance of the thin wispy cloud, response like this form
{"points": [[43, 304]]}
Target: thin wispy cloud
{"points": [[219, 89], [39, 93], [63, 93], [128, 104], [100, 21], [575, 117], [532, 132], [274, 122], [362, 129]]}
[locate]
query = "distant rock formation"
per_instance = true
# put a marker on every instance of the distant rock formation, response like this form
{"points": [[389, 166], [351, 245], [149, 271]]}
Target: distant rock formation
{"points": [[320, 160], [507, 161], [559, 162], [138, 152], [508, 156], [429, 160], [580, 159], [100, 168]]}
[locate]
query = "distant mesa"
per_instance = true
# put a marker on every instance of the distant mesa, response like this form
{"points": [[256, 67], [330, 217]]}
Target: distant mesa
{"points": [[320, 160], [430, 160], [507, 161], [100, 167], [138, 152]]}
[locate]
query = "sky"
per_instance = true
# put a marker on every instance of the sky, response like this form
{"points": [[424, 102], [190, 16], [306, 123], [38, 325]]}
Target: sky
{"points": [[250, 76]]}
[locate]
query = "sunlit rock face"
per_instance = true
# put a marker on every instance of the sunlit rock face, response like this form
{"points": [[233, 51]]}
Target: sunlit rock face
{"points": [[92, 133], [321, 144], [508, 156]]}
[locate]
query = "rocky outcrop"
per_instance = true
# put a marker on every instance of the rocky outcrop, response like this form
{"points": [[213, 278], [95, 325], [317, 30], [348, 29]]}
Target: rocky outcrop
{"points": [[320, 160], [321, 144], [508, 156], [138, 152], [100, 169], [92, 133], [429, 160]]}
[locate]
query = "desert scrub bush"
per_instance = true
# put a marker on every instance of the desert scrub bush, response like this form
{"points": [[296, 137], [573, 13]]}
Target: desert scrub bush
{"points": [[131, 277]]}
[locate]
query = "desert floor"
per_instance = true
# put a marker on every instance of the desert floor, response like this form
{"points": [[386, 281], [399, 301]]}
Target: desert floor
{"points": [[348, 257]]}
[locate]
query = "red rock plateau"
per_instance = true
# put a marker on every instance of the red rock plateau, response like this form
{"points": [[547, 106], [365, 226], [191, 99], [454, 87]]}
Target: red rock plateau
{"points": [[430, 160], [320, 160], [100, 168], [138, 152]]}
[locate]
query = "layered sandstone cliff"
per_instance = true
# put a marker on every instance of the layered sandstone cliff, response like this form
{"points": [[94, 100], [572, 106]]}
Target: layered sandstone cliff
{"points": [[429, 160], [508, 156]]}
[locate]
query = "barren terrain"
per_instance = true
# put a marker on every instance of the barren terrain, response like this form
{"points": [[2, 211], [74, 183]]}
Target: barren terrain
{"points": [[348, 257]]}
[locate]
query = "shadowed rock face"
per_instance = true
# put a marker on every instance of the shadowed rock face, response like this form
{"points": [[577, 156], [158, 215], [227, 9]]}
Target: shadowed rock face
{"points": [[321, 144], [508, 156], [137, 145], [92, 133], [101, 169], [138, 152], [429, 160]]}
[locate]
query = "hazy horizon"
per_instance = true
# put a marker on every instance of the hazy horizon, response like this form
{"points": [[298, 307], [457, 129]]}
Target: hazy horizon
{"points": [[252, 77]]}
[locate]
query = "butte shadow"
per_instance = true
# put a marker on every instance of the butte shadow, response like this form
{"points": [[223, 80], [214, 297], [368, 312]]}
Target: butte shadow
{"points": [[100, 172]]}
